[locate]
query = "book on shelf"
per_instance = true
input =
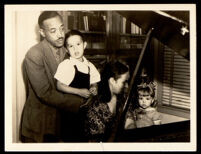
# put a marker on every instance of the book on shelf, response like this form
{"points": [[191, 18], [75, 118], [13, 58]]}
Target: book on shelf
{"points": [[98, 45], [98, 42], [86, 26], [70, 22], [81, 24], [87, 21], [95, 42], [123, 25], [96, 23], [73, 21], [132, 28], [128, 27], [135, 29], [125, 42]]}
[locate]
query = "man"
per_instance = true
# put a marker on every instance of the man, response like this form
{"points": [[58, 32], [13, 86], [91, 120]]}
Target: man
{"points": [[41, 118]]}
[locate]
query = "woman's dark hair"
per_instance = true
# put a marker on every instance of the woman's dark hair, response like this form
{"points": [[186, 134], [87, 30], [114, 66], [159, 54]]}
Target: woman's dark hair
{"points": [[72, 33], [46, 15], [111, 69]]}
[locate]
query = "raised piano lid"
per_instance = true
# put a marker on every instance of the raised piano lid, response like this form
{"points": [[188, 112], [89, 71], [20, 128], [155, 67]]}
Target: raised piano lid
{"points": [[170, 27]]}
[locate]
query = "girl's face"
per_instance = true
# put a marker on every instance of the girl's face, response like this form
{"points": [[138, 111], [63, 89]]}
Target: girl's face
{"points": [[119, 84], [76, 46], [145, 100]]}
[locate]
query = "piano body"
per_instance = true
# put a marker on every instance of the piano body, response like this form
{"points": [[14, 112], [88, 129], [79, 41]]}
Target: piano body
{"points": [[170, 28]]}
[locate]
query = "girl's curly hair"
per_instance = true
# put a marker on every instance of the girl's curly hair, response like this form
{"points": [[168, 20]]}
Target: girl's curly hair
{"points": [[149, 88]]}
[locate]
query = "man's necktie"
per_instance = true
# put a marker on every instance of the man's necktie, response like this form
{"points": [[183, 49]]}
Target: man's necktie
{"points": [[58, 56]]}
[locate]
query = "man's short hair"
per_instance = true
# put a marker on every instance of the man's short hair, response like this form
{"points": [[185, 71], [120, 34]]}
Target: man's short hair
{"points": [[46, 15]]}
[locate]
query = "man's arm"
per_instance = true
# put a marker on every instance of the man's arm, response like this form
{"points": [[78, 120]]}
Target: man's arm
{"points": [[38, 78]]}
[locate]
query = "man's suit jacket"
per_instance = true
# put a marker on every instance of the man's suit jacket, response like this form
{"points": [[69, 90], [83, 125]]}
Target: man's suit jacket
{"points": [[41, 113]]}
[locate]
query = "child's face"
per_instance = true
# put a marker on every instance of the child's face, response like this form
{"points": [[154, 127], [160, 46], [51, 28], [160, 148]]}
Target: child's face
{"points": [[144, 99], [76, 46]]}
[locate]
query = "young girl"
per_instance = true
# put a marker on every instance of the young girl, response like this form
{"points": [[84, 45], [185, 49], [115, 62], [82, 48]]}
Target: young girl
{"points": [[145, 114], [77, 75]]}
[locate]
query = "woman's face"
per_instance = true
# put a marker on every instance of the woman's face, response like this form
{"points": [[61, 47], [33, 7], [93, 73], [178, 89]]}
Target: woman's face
{"points": [[121, 83]]}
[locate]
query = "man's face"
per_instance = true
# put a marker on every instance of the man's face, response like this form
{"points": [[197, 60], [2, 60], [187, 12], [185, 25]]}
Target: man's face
{"points": [[53, 31]]}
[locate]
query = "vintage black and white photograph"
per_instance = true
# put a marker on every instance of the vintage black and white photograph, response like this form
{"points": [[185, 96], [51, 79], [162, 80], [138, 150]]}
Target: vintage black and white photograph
{"points": [[100, 77]]}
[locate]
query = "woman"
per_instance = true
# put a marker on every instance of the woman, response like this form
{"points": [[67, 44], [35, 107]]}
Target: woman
{"points": [[101, 114]]}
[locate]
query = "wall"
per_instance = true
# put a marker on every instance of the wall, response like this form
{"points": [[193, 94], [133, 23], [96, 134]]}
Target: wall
{"points": [[25, 32]]}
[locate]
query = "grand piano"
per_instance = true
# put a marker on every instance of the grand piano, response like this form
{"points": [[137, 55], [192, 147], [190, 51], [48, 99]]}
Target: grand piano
{"points": [[172, 29]]}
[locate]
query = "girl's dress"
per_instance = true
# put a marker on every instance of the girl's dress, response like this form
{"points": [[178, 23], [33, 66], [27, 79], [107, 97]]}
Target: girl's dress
{"points": [[144, 118]]}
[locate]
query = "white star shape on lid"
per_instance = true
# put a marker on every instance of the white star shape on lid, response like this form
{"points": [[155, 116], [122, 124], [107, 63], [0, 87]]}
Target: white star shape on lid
{"points": [[184, 30]]}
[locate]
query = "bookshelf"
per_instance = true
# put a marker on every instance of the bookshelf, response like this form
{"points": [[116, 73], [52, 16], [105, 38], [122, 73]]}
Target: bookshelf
{"points": [[107, 34]]}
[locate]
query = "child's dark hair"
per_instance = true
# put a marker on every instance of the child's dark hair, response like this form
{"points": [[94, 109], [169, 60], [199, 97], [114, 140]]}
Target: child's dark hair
{"points": [[46, 15], [111, 69], [147, 88], [72, 33]]}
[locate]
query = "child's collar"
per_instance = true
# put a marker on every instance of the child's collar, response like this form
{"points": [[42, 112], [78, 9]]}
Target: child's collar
{"points": [[76, 60], [148, 109]]}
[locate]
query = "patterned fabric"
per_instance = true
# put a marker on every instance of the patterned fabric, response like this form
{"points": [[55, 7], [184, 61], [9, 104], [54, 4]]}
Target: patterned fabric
{"points": [[98, 118]]}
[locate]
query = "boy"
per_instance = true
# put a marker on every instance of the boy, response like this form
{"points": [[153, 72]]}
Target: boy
{"points": [[77, 75]]}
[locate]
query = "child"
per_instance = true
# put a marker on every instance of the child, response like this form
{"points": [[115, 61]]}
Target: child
{"points": [[77, 75], [145, 114]]}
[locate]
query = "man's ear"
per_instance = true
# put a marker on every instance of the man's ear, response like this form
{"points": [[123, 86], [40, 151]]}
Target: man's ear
{"points": [[85, 44], [42, 33]]}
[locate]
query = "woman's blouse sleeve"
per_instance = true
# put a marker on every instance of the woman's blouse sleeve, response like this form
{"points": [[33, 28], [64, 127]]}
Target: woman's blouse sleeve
{"points": [[98, 117]]}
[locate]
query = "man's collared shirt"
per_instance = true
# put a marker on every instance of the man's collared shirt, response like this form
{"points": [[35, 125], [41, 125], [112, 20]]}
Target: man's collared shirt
{"points": [[58, 53]]}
